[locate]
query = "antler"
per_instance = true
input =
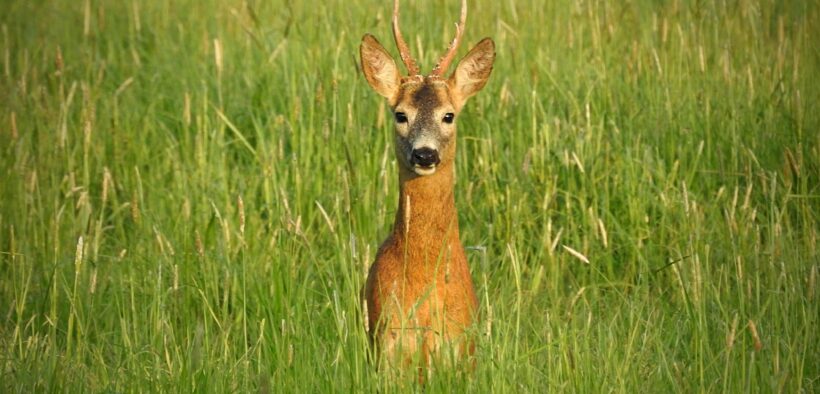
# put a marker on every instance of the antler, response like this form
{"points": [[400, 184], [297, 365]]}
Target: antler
{"points": [[404, 51], [445, 60]]}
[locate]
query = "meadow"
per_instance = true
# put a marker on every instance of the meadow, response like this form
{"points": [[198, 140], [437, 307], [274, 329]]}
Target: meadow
{"points": [[191, 193]]}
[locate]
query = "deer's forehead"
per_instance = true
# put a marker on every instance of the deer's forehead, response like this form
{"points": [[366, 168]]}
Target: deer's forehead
{"points": [[424, 97]]}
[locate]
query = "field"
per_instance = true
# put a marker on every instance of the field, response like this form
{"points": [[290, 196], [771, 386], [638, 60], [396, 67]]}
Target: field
{"points": [[191, 193]]}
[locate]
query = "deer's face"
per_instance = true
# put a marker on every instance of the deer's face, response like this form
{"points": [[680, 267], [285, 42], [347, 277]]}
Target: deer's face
{"points": [[425, 109], [425, 128]]}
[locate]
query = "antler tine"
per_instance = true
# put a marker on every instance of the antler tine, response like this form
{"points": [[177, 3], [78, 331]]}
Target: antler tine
{"points": [[445, 60], [404, 50]]}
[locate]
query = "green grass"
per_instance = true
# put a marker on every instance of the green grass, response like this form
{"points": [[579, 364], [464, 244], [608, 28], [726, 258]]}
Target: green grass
{"points": [[192, 192]]}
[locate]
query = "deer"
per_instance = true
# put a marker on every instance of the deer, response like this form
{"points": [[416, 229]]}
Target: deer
{"points": [[419, 294]]}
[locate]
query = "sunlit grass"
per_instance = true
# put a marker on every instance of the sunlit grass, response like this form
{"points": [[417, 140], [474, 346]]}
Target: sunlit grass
{"points": [[191, 193]]}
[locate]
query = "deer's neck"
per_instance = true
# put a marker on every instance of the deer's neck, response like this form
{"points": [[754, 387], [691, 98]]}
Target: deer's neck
{"points": [[426, 220]]}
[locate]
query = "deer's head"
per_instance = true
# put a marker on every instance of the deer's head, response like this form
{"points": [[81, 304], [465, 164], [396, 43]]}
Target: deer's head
{"points": [[425, 108]]}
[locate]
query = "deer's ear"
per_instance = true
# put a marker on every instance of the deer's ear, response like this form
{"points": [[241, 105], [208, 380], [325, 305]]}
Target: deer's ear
{"points": [[473, 70], [379, 68]]}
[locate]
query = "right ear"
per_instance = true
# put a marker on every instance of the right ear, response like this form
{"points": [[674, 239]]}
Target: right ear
{"points": [[473, 71], [379, 68]]}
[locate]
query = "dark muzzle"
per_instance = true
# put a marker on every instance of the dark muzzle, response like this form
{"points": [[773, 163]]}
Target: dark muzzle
{"points": [[425, 157]]}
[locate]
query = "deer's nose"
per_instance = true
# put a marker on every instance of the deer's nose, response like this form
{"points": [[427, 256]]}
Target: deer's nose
{"points": [[425, 157]]}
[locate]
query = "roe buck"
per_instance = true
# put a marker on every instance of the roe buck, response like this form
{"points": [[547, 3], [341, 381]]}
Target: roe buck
{"points": [[419, 293]]}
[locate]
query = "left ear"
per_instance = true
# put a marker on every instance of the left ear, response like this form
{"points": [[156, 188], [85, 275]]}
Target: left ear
{"points": [[473, 71]]}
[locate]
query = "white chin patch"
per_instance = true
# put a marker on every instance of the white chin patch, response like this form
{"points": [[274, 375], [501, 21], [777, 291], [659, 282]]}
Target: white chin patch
{"points": [[424, 170]]}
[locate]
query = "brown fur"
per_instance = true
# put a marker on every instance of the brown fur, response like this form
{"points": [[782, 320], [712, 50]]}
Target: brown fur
{"points": [[419, 292]]}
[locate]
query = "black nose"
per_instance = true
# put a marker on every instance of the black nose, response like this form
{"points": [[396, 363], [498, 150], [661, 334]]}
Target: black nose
{"points": [[425, 157]]}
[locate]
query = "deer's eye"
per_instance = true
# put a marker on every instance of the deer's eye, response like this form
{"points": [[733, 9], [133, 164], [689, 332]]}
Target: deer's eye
{"points": [[448, 117], [401, 117]]}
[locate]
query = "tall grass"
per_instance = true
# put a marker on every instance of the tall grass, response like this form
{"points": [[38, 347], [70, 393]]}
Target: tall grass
{"points": [[192, 192]]}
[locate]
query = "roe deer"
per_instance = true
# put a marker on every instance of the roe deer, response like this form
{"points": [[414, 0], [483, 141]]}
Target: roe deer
{"points": [[419, 293]]}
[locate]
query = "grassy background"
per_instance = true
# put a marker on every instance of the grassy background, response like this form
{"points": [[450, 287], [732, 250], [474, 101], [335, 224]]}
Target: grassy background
{"points": [[192, 191]]}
